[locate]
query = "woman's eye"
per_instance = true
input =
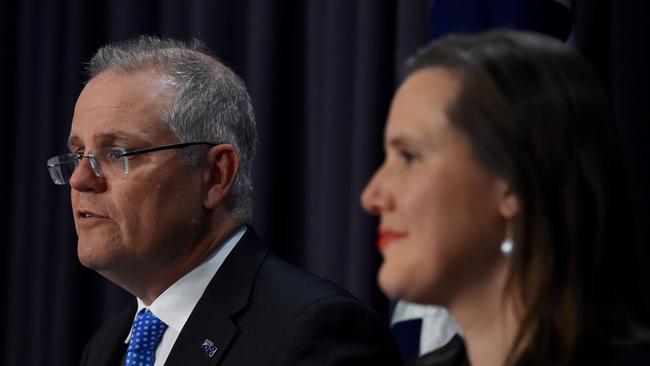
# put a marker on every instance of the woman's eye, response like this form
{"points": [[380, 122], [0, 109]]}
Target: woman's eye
{"points": [[409, 156]]}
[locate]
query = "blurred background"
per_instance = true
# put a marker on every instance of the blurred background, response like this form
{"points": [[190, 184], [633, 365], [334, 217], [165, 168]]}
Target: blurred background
{"points": [[321, 74]]}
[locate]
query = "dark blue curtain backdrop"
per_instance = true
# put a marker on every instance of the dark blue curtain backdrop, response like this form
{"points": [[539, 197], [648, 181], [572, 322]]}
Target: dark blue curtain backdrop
{"points": [[321, 74]]}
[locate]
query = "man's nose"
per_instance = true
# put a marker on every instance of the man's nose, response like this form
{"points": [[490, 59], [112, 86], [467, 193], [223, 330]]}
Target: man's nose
{"points": [[84, 179]]}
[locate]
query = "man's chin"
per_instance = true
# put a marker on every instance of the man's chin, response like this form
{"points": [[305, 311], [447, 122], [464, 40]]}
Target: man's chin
{"points": [[96, 256], [92, 263]]}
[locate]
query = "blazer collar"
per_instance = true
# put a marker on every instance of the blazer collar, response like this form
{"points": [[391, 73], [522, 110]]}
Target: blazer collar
{"points": [[111, 339], [227, 293]]}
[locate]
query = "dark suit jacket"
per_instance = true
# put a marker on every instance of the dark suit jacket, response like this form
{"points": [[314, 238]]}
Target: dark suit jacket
{"points": [[451, 354], [260, 310], [599, 354]]}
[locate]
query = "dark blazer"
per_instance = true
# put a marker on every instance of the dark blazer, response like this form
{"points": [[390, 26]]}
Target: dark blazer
{"points": [[599, 354], [261, 310], [451, 354]]}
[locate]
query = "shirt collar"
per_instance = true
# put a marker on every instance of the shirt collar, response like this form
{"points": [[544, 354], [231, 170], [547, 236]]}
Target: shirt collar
{"points": [[175, 305]]}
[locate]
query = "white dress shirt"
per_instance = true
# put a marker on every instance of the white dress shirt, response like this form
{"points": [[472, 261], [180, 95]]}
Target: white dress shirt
{"points": [[175, 305], [438, 326]]}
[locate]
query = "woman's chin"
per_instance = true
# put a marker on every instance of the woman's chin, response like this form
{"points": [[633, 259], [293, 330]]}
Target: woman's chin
{"points": [[392, 283], [399, 285]]}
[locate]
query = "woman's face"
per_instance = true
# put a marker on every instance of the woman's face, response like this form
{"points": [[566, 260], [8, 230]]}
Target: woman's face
{"points": [[441, 213]]}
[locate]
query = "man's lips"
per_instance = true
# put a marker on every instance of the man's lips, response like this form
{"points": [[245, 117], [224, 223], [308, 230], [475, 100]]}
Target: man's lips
{"points": [[385, 237], [89, 214]]}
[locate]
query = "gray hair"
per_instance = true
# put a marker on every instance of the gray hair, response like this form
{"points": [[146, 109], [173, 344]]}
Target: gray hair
{"points": [[211, 104]]}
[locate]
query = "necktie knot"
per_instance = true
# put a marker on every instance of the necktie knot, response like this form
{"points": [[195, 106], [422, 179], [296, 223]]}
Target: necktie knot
{"points": [[146, 334]]}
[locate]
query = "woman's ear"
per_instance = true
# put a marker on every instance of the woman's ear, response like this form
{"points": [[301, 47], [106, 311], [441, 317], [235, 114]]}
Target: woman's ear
{"points": [[508, 200], [220, 173]]}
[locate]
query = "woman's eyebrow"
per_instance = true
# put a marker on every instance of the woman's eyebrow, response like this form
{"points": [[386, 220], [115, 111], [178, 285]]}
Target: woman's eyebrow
{"points": [[408, 141]]}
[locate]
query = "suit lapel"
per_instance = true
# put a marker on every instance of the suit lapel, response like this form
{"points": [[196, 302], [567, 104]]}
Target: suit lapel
{"points": [[210, 322], [111, 340]]}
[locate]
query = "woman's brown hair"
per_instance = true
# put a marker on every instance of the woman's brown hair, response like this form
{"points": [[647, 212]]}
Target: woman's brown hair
{"points": [[537, 115]]}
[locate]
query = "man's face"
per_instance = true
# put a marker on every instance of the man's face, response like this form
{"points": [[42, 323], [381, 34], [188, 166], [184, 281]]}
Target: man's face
{"points": [[145, 220]]}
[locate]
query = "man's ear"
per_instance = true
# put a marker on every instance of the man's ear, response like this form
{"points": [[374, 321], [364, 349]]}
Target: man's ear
{"points": [[219, 176], [508, 200]]}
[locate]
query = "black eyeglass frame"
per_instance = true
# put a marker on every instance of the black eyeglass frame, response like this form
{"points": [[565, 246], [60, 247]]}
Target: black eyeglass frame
{"points": [[58, 179], [163, 147]]}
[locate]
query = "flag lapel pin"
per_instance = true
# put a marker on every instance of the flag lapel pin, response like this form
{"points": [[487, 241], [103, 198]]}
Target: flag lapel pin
{"points": [[209, 348]]}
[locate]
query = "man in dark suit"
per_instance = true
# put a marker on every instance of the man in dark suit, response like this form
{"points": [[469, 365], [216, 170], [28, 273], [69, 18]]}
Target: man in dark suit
{"points": [[161, 147]]}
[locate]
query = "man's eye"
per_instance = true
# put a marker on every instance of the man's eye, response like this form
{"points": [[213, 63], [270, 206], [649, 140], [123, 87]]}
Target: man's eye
{"points": [[77, 156], [114, 154]]}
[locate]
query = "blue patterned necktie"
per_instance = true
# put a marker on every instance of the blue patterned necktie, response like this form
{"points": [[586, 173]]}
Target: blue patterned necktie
{"points": [[145, 337]]}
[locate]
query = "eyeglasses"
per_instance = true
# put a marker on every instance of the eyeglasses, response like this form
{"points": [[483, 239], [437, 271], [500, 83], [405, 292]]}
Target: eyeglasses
{"points": [[107, 161]]}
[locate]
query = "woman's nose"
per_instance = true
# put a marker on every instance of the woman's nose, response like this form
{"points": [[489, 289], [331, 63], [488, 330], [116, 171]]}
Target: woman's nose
{"points": [[374, 198]]}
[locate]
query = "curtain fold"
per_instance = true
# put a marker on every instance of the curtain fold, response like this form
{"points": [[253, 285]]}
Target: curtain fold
{"points": [[321, 75]]}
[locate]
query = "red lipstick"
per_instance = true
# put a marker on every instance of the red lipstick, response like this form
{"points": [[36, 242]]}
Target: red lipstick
{"points": [[385, 237]]}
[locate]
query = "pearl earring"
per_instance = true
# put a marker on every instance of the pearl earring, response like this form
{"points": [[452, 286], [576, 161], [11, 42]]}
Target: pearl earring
{"points": [[507, 245]]}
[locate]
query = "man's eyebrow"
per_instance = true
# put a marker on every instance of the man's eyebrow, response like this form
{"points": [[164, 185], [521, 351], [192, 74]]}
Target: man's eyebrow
{"points": [[112, 138], [73, 141], [106, 140]]}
